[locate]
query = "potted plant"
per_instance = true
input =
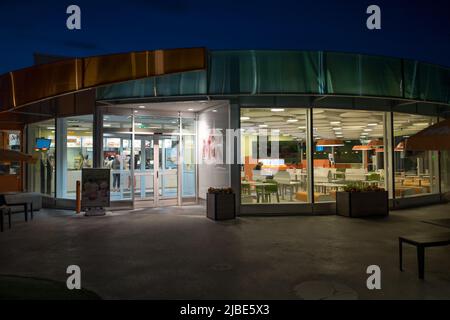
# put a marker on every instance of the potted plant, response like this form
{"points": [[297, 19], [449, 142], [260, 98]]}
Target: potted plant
{"points": [[221, 204], [359, 200]]}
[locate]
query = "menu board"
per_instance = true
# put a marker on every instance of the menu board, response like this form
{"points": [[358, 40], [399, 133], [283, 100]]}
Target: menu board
{"points": [[95, 188]]}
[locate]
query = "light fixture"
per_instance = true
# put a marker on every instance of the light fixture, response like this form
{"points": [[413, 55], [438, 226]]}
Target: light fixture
{"points": [[263, 125], [368, 130], [337, 129], [107, 125], [141, 107], [335, 122], [330, 143], [245, 118], [190, 109], [214, 110], [50, 128], [302, 128], [372, 124], [362, 148], [292, 120], [277, 110]]}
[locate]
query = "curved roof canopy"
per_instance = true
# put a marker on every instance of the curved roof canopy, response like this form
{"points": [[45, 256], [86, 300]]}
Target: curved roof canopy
{"points": [[195, 72], [39, 82]]}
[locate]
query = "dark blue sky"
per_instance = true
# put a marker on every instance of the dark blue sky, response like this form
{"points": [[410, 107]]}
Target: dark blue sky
{"points": [[411, 29]]}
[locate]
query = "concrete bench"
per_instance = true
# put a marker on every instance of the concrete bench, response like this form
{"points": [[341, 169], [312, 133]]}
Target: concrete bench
{"points": [[23, 197], [423, 241]]}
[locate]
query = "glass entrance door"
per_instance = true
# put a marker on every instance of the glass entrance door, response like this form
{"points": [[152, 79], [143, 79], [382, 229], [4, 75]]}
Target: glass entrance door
{"points": [[156, 170]]}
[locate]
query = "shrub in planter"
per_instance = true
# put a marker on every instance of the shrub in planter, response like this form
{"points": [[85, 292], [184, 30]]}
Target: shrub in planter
{"points": [[221, 204], [358, 200]]}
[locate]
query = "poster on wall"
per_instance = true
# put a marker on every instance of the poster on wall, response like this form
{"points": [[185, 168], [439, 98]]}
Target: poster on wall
{"points": [[95, 191]]}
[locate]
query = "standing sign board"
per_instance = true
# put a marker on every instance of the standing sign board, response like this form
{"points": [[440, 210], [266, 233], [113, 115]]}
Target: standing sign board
{"points": [[95, 191]]}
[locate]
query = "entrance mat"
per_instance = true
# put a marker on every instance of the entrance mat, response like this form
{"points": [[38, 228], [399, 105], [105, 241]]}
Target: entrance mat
{"points": [[27, 288], [439, 222]]}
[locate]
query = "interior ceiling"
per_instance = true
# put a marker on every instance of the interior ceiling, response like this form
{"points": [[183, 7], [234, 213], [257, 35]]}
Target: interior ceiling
{"points": [[176, 106], [329, 123]]}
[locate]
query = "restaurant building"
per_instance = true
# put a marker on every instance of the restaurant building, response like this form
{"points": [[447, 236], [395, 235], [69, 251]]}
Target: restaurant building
{"points": [[172, 123]]}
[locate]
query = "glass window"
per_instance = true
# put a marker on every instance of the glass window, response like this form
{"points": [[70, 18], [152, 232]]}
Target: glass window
{"points": [[76, 152], [348, 149], [189, 168], [273, 156], [416, 171], [445, 173], [117, 155], [41, 175], [10, 140]]}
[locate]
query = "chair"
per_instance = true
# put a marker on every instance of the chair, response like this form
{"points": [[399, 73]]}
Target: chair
{"points": [[265, 192], [257, 176], [284, 179]]}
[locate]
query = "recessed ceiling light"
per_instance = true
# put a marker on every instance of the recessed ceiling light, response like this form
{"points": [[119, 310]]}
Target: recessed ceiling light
{"points": [[335, 122], [292, 120], [277, 110], [263, 125], [214, 110], [135, 111], [368, 130], [337, 129], [141, 107], [190, 109], [107, 125], [302, 127], [245, 118], [372, 124]]}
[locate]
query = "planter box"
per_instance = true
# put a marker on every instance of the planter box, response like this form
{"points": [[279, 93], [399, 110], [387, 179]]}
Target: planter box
{"points": [[221, 206], [362, 204]]}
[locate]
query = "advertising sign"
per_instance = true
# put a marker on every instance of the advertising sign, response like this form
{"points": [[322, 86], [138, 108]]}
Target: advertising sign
{"points": [[95, 188]]}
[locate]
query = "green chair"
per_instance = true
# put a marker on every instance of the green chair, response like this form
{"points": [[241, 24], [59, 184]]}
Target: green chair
{"points": [[265, 193]]}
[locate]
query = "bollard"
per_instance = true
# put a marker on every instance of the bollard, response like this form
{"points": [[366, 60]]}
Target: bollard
{"points": [[78, 198]]}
